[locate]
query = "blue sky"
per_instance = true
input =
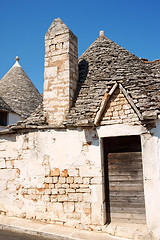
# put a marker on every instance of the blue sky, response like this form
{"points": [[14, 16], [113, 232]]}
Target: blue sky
{"points": [[135, 25]]}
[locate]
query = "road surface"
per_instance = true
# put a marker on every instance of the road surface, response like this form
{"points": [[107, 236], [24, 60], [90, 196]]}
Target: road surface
{"points": [[8, 235]]}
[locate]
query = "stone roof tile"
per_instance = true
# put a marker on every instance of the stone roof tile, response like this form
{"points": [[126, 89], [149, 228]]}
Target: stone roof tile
{"points": [[36, 118], [4, 106]]}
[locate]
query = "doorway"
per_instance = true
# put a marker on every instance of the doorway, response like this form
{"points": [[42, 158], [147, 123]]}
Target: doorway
{"points": [[123, 172]]}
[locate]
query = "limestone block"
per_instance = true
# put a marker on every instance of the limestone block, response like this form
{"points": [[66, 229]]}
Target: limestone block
{"points": [[68, 207], [54, 179], [10, 164], [54, 191], [48, 191], [96, 180], [62, 180], [57, 207], [55, 211], [75, 197], [72, 222], [10, 174], [83, 190], [3, 184], [40, 207], [55, 172], [64, 173], [70, 190], [86, 180], [65, 186], [61, 191], [9, 152], [31, 191], [41, 215], [74, 186], [78, 180], [46, 198], [50, 72], [54, 198], [73, 216], [2, 163], [40, 191], [62, 198], [51, 185], [83, 207], [70, 180], [96, 206], [85, 218], [87, 197], [48, 180], [73, 171], [58, 185]]}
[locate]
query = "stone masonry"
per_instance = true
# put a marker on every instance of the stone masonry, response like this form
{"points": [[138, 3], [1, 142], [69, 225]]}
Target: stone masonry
{"points": [[61, 71], [119, 111], [41, 185]]}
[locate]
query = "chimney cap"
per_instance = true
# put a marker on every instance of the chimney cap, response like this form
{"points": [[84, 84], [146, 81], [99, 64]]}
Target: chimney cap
{"points": [[101, 33]]}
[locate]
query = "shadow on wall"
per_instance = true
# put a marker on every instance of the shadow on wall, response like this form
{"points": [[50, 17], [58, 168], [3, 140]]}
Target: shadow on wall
{"points": [[9, 137], [83, 71], [91, 136]]}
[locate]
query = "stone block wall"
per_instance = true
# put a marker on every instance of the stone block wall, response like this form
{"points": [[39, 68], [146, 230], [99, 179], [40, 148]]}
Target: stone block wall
{"points": [[61, 71], [66, 200], [119, 111], [52, 176]]}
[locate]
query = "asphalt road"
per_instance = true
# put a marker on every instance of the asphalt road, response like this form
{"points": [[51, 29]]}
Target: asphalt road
{"points": [[8, 235]]}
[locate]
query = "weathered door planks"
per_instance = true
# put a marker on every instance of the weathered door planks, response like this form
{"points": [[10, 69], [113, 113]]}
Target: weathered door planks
{"points": [[125, 182]]}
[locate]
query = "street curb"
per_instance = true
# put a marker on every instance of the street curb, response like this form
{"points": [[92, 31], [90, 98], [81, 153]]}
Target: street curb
{"points": [[36, 233], [51, 231]]}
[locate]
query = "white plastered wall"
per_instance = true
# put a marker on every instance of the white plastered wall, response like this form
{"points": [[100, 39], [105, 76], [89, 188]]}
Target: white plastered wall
{"points": [[25, 158], [151, 173]]}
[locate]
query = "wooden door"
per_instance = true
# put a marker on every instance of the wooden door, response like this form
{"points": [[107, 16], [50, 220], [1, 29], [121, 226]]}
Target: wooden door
{"points": [[125, 201]]}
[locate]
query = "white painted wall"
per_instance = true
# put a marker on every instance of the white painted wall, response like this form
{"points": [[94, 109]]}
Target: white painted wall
{"points": [[25, 159], [151, 173]]}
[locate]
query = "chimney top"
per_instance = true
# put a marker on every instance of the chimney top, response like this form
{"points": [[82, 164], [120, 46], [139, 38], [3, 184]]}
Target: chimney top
{"points": [[101, 33]]}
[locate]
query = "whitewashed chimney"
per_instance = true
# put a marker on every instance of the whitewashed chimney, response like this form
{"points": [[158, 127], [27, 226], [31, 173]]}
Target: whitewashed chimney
{"points": [[60, 72]]}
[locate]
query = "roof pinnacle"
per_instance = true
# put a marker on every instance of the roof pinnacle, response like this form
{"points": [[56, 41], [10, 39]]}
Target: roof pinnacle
{"points": [[17, 59], [17, 62], [101, 33]]}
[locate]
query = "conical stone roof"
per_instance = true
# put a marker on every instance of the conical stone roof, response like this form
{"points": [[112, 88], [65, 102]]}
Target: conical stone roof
{"points": [[100, 67], [19, 92]]}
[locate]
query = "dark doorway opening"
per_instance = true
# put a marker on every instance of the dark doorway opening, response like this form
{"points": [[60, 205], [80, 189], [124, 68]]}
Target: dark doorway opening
{"points": [[3, 118], [124, 193]]}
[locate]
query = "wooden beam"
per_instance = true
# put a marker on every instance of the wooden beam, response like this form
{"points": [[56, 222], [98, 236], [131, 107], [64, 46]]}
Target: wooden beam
{"points": [[103, 103], [131, 102]]}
